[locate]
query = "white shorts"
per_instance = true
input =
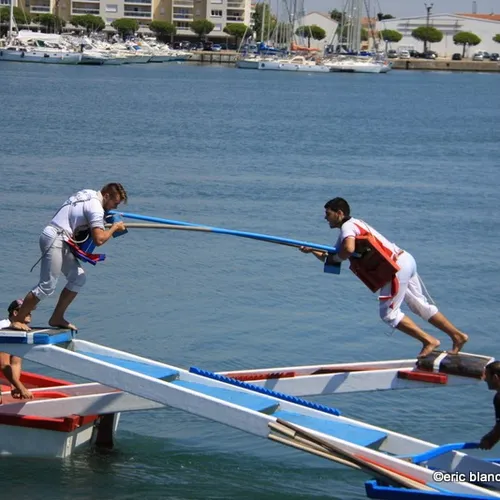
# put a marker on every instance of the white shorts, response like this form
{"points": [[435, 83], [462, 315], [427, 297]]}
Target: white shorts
{"points": [[57, 259], [410, 291]]}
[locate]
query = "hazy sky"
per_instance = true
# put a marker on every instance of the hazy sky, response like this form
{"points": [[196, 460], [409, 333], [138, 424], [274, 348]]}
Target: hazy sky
{"points": [[400, 8]]}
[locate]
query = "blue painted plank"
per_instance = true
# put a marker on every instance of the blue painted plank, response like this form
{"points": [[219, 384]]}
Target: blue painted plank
{"points": [[347, 432], [52, 338], [143, 368], [375, 490], [247, 400], [440, 450], [264, 390]]}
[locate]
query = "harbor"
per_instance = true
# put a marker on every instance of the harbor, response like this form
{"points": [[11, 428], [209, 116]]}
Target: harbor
{"points": [[231, 58]]}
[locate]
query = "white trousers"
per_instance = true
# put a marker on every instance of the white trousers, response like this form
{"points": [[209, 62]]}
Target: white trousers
{"points": [[410, 291], [57, 259]]}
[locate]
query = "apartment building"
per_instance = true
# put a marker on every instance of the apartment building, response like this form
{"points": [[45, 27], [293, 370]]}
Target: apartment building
{"points": [[179, 12]]}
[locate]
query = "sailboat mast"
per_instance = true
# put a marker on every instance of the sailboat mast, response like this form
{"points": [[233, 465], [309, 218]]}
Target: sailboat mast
{"points": [[11, 18], [356, 32], [264, 15]]}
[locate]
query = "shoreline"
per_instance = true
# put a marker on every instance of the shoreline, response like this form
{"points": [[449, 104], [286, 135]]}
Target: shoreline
{"points": [[446, 65], [230, 57]]}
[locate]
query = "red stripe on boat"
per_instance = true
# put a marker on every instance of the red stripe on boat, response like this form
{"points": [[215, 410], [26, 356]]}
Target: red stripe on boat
{"points": [[421, 376], [62, 424]]}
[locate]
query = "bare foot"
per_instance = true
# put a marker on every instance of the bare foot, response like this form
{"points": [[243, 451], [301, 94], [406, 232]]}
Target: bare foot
{"points": [[16, 325], [458, 344], [62, 323], [428, 348]]}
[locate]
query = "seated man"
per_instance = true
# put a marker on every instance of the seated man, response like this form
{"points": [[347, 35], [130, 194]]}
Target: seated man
{"points": [[11, 365], [492, 378]]}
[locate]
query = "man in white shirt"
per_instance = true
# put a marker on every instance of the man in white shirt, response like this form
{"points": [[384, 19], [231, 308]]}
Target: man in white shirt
{"points": [[11, 365], [84, 210], [405, 285]]}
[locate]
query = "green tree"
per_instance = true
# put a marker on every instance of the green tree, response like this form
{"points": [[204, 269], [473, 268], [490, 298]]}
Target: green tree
{"points": [[125, 26], [496, 38], [427, 34], [163, 30], [381, 16], [238, 30], [390, 36], [202, 27], [91, 23], [20, 17], [364, 35], [337, 15], [466, 39], [51, 22], [263, 22], [309, 32]]}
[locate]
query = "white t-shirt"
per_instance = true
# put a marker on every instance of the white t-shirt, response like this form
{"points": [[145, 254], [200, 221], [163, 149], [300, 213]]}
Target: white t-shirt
{"points": [[356, 227], [81, 211], [4, 323]]}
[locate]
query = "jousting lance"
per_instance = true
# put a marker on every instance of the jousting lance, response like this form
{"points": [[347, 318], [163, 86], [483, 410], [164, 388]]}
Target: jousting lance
{"points": [[159, 223]]}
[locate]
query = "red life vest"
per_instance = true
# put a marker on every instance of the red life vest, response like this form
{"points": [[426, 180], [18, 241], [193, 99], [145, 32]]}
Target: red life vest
{"points": [[376, 265]]}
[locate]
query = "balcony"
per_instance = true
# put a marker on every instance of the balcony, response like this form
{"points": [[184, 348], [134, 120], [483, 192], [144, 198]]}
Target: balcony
{"points": [[235, 19], [142, 14], [40, 9], [184, 17], [182, 3], [236, 5], [142, 2], [88, 4], [94, 12]]}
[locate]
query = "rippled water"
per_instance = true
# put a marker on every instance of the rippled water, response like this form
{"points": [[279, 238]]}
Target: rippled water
{"points": [[416, 154]]}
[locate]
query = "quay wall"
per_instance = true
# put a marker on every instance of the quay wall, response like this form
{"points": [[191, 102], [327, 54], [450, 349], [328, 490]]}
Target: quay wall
{"points": [[230, 57]]}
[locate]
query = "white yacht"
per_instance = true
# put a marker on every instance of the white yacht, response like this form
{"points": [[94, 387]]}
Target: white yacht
{"points": [[33, 47], [253, 61], [296, 63], [353, 65]]}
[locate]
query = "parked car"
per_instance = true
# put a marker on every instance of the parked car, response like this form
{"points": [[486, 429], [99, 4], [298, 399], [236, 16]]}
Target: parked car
{"points": [[216, 47], [392, 54], [481, 53], [430, 54], [494, 56], [404, 54], [456, 57]]}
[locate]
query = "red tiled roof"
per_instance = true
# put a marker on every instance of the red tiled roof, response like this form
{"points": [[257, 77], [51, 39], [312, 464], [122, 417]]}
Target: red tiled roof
{"points": [[365, 21], [486, 17]]}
